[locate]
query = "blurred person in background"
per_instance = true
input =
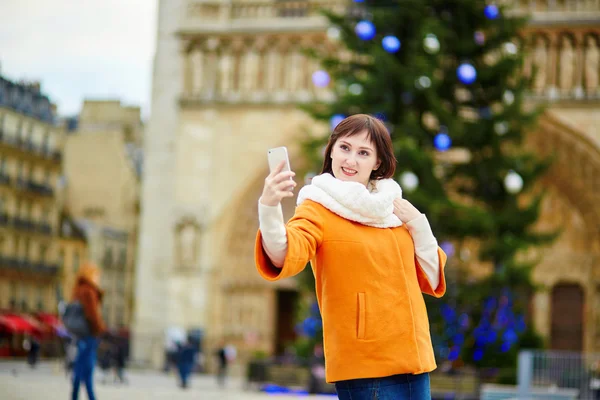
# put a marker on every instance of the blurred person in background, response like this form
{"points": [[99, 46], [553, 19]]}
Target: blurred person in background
{"points": [[87, 292], [119, 360], [222, 363], [32, 345], [186, 359], [373, 255]]}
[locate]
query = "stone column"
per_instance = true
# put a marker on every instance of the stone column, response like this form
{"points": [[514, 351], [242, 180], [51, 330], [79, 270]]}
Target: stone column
{"points": [[579, 65], [542, 320], [552, 66], [155, 249]]}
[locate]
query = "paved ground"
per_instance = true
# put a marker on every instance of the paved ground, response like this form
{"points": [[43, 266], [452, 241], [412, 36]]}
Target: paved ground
{"points": [[48, 382]]}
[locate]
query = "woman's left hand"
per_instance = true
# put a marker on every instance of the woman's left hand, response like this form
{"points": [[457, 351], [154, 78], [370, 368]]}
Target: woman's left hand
{"points": [[405, 211]]}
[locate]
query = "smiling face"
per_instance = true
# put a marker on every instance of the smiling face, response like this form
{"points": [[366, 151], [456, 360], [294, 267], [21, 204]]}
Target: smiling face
{"points": [[354, 158]]}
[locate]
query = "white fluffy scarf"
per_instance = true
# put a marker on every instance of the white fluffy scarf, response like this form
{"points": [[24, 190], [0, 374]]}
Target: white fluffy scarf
{"points": [[353, 201]]}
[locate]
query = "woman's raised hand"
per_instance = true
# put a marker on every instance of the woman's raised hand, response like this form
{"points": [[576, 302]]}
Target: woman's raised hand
{"points": [[278, 185], [404, 210]]}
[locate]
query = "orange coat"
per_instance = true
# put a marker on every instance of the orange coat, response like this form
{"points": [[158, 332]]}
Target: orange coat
{"points": [[369, 288]]}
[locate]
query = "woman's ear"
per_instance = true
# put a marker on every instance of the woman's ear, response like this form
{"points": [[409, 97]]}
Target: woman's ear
{"points": [[377, 165]]}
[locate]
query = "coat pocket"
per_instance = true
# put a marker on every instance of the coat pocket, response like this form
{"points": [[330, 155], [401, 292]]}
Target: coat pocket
{"points": [[361, 316]]}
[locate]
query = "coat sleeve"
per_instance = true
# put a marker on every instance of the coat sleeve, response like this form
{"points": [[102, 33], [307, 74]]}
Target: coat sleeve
{"points": [[304, 236], [91, 308], [424, 282]]}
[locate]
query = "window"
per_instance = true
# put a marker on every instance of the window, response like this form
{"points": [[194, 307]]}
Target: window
{"points": [[13, 295], [27, 245], [43, 253], [123, 257], [61, 259], [108, 257], [76, 262], [40, 298]]}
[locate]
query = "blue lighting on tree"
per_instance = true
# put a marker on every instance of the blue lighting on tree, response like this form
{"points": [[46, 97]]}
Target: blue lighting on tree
{"points": [[491, 11], [391, 44], [442, 142], [466, 73], [335, 120], [478, 354], [320, 78], [365, 30]]}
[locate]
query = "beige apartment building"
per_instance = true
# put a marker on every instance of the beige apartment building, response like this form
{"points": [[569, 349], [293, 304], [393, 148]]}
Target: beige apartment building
{"points": [[227, 80], [102, 166], [30, 200]]}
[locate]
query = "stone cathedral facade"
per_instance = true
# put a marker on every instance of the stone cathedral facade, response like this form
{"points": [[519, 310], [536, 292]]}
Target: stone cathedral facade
{"points": [[228, 77]]}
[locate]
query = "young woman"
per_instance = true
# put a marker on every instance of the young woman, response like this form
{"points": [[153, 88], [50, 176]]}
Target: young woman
{"points": [[372, 254], [87, 291]]}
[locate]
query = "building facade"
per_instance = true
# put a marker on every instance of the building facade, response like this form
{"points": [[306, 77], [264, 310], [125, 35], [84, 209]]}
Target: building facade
{"points": [[30, 200], [102, 168], [228, 77]]}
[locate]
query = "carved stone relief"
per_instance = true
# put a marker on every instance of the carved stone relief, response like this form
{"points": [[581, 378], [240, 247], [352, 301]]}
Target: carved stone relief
{"points": [[187, 241]]}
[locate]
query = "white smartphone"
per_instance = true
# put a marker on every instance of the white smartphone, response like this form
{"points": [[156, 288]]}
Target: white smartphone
{"points": [[276, 156]]}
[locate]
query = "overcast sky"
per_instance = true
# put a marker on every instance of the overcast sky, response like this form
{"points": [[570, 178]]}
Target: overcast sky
{"points": [[80, 48]]}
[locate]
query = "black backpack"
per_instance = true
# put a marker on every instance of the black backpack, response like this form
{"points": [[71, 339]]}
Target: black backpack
{"points": [[75, 320]]}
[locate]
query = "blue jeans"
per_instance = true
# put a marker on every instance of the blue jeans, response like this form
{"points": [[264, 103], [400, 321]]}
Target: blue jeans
{"points": [[83, 368], [395, 387]]}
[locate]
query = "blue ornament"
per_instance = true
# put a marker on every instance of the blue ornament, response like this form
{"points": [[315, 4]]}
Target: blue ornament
{"points": [[391, 44], [442, 142], [478, 354], [491, 11], [365, 30], [320, 78], [380, 116], [505, 347], [335, 120], [454, 353], [448, 248], [466, 73]]}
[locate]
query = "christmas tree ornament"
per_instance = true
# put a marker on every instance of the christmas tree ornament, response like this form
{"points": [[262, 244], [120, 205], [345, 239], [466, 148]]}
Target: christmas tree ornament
{"points": [[334, 33], [423, 82], [431, 43], [479, 37], [491, 11], [408, 181], [335, 120], [485, 112], [510, 49], [513, 182], [442, 141], [320, 78], [380, 116], [355, 89], [365, 30], [508, 97], [448, 248], [501, 128], [466, 73], [391, 44]]}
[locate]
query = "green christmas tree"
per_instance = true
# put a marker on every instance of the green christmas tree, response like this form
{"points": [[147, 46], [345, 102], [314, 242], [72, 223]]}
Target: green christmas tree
{"points": [[447, 79]]}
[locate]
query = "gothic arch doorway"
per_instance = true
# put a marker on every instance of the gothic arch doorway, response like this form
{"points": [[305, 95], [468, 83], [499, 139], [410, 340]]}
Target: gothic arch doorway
{"points": [[567, 317]]}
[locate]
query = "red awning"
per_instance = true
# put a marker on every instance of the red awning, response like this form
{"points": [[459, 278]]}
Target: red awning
{"points": [[18, 324]]}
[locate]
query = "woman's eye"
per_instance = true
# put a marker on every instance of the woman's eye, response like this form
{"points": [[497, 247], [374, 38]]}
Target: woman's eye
{"points": [[344, 147], [364, 153]]}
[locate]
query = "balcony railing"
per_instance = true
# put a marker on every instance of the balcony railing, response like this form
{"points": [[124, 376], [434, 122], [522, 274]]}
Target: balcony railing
{"points": [[27, 146], [26, 265], [25, 225]]}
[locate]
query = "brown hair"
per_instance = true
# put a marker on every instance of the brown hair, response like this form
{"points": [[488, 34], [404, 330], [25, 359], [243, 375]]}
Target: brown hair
{"points": [[377, 133]]}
